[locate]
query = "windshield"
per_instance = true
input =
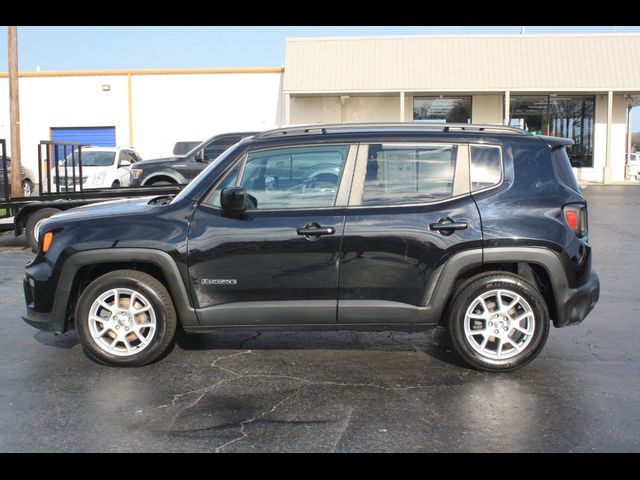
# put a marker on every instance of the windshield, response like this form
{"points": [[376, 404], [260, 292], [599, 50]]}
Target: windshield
{"points": [[91, 159], [186, 191]]}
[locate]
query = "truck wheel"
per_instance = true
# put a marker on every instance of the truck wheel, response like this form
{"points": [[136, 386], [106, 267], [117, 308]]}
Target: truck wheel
{"points": [[498, 322], [33, 223], [125, 318]]}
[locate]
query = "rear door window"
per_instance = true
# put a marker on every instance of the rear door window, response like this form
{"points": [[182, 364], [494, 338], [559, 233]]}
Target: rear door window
{"points": [[408, 173]]}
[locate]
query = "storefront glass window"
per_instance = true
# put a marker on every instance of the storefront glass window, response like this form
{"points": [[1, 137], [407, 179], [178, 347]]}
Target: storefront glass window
{"points": [[561, 116], [445, 109]]}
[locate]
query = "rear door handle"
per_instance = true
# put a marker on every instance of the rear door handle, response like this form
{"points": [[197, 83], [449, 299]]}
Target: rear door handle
{"points": [[446, 226]]}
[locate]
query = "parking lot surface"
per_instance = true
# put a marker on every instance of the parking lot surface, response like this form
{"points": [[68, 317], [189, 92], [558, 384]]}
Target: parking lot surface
{"points": [[344, 392]]}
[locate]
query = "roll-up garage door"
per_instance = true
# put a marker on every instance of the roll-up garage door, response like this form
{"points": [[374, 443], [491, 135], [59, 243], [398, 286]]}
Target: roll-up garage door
{"points": [[96, 136]]}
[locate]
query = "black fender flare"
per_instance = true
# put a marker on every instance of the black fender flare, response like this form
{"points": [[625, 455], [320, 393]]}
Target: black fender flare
{"points": [[158, 258], [443, 281]]}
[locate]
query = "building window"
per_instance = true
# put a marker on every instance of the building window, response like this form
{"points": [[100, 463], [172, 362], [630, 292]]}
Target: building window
{"points": [[561, 116], [442, 109]]}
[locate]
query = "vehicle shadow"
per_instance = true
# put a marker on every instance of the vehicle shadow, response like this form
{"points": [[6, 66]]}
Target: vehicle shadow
{"points": [[67, 340], [434, 343]]}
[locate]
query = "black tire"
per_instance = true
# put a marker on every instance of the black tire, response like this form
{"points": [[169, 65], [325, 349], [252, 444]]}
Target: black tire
{"points": [[115, 184], [158, 183], [462, 300], [160, 301], [32, 221]]}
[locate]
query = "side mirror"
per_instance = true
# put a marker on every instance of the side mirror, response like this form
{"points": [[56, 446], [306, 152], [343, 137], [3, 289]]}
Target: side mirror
{"points": [[199, 156], [233, 201]]}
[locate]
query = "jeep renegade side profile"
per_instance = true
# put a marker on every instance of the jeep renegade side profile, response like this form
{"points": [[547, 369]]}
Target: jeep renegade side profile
{"points": [[481, 229]]}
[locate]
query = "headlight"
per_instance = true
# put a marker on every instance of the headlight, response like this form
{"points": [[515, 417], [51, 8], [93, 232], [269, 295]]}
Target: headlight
{"points": [[99, 177], [136, 172]]}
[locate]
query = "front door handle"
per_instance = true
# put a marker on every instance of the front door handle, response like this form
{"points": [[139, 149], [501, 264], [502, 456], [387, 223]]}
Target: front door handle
{"points": [[446, 226], [316, 230]]}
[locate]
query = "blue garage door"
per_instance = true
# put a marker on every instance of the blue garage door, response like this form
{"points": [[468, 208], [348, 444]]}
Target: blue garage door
{"points": [[97, 136]]}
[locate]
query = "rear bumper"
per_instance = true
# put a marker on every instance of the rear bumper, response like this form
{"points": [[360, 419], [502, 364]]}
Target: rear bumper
{"points": [[575, 303]]}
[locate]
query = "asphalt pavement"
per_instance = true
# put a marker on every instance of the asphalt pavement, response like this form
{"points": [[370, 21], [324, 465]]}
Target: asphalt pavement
{"points": [[343, 392]]}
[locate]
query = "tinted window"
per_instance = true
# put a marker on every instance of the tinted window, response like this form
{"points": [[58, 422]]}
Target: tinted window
{"points": [[295, 177], [408, 174], [486, 166], [215, 148]]}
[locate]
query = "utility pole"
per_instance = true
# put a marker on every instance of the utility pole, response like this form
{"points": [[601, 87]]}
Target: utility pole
{"points": [[14, 114]]}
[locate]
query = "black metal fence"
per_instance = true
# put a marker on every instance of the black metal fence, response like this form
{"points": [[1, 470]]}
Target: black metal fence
{"points": [[60, 167], [5, 181]]}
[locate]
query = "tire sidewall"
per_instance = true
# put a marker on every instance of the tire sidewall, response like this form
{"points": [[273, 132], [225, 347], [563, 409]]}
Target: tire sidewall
{"points": [[508, 282], [33, 220], [159, 341]]}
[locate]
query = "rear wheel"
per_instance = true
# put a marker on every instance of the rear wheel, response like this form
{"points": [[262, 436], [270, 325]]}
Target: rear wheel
{"points": [[33, 224], [498, 322], [115, 184], [125, 318]]}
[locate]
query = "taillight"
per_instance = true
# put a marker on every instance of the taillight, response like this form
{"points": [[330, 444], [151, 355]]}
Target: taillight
{"points": [[575, 215]]}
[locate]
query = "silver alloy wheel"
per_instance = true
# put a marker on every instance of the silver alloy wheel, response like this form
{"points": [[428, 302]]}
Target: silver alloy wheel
{"points": [[122, 322], [499, 324]]}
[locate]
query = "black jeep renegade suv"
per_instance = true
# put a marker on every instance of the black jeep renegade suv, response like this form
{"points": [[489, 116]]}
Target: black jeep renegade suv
{"points": [[481, 229]]}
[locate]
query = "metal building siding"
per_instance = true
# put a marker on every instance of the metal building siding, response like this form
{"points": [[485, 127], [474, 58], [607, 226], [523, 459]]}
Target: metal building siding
{"points": [[97, 136], [463, 63]]}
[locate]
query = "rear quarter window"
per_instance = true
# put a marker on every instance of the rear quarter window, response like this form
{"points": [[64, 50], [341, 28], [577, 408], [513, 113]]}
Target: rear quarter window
{"points": [[486, 166]]}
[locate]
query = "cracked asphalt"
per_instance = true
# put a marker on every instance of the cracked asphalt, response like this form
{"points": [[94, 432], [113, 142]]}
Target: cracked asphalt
{"points": [[343, 392]]}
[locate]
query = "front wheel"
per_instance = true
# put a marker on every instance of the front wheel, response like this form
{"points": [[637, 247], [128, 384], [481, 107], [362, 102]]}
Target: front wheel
{"points": [[498, 322], [126, 318]]}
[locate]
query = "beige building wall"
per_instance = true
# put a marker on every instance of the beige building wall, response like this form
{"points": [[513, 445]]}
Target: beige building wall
{"points": [[359, 109], [487, 109], [310, 110]]}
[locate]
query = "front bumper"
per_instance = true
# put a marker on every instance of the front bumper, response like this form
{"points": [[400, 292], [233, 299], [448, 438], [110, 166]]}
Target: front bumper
{"points": [[45, 298], [575, 303]]}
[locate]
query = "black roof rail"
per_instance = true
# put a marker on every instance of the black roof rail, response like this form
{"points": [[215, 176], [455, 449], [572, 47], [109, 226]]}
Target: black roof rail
{"points": [[445, 127]]}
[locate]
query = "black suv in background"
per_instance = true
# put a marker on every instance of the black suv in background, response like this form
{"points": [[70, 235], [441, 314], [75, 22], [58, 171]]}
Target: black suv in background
{"points": [[482, 229], [181, 169]]}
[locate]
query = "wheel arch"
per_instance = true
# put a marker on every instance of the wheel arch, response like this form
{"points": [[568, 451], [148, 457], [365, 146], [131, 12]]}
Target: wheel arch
{"points": [[541, 267], [83, 267], [163, 174]]}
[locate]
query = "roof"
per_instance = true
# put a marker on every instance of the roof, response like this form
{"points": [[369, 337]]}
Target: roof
{"points": [[462, 63], [319, 129]]}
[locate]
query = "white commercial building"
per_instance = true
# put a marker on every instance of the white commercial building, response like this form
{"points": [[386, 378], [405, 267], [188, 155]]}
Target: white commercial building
{"points": [[580, 86], [150, 110]]}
